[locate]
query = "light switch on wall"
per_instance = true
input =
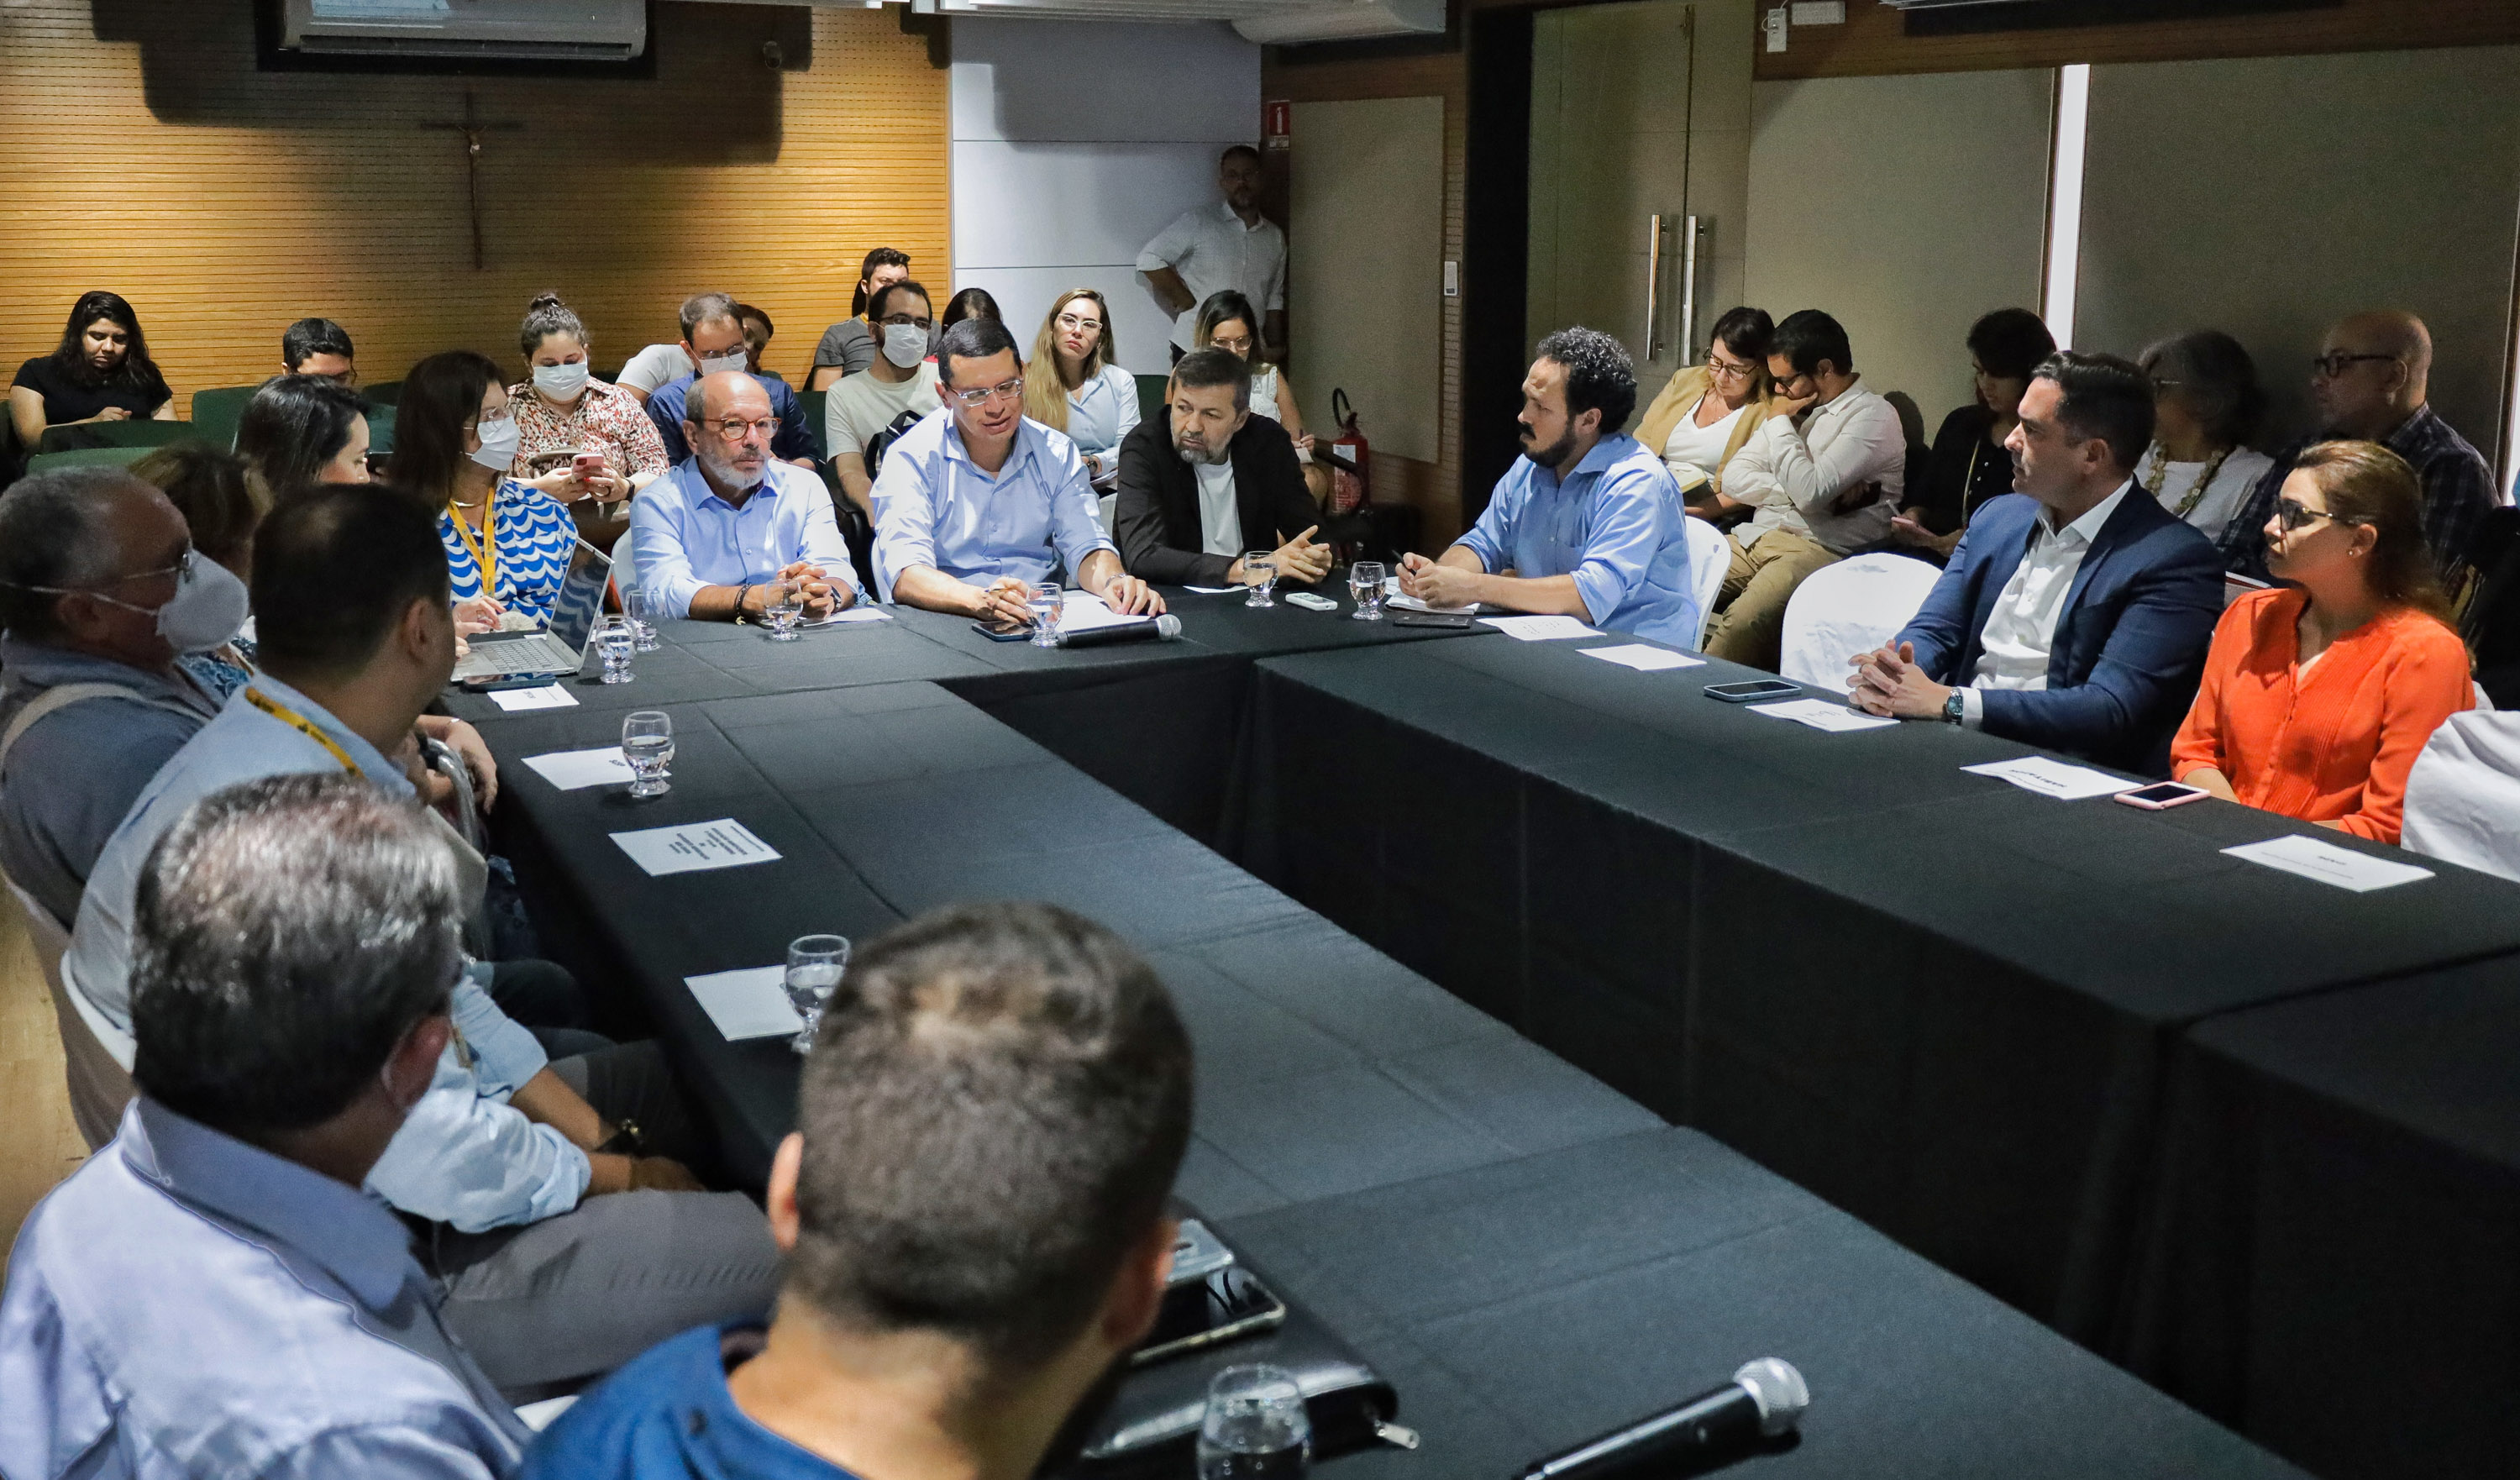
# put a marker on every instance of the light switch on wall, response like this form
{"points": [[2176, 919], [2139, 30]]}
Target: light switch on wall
{"points": [[1777, 29], [1452, 280]]}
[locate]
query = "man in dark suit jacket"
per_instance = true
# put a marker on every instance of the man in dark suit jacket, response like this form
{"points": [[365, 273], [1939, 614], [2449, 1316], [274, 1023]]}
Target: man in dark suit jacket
{"points": [[1208, 482], [2074, 613]]}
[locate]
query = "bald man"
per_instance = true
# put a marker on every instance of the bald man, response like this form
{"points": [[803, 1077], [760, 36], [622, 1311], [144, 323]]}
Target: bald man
{"points": [[2369, 385], [709, 538]]}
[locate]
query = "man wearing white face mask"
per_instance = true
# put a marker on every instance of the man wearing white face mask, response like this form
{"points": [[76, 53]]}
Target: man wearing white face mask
{"points": [[902, 383], [714, 339], [100, 591]]}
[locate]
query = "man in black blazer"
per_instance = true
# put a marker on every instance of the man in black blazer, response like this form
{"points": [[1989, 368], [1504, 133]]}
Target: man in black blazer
{"points": [[1208, 482]]}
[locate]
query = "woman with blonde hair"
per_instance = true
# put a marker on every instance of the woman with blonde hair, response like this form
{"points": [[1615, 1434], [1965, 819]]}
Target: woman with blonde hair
{"points": [[1071, 385], [2318, 695], [1708, 411]]}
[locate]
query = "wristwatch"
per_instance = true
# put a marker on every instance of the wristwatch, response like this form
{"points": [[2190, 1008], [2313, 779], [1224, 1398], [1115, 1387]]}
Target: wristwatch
{"points": [[1953, 709]]}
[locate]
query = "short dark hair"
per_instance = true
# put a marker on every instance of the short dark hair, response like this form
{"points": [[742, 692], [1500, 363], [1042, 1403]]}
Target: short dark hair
{"points": [[2009, 342], [286, 934], [881, 256], [743, 311], [214, 492], [992, 1117], [704, 308], [546, 316], [1208, 368], [2106, 399], [971, 303], [1599, 376], [440, 394], [53, 533], [335, 568], [1245, 150], [875, 301], [313, 337], [1224, 306], [1747, 333], [295, 424], [973, 340], [2215, 379], [1810, 337]]}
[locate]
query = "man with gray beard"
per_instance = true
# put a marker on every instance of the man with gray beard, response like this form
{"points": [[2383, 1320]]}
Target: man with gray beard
{"points": [[1209, 484], [709, 538]]}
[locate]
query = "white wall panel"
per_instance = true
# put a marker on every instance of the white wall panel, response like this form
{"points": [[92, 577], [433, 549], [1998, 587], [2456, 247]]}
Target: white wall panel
{"points": [[1089, 79], [1044, 204]]}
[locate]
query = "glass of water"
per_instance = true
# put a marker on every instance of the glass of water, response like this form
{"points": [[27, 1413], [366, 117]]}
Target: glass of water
{"points": [[1255, 1426], [1260, 573], [783, 603], [1047, 605], [1365, 582], [640, 610], [815, 965], [614, 639], [648, 744]]}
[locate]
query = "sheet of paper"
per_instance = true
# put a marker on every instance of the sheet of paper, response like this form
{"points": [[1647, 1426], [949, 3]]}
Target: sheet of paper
{"points": [[1215, 590], [1643, 658], [2330, 864], [548, 696], [1822, 714], [850, 615], [1413, 604], [1083, 611], [751, 1003], [570, 770], [1540, 629], [722, 844], [2053, 778]]}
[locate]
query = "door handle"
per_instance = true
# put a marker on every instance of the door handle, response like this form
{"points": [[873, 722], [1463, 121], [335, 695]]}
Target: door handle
{"points": [[1691, 228], [1653, 286]]}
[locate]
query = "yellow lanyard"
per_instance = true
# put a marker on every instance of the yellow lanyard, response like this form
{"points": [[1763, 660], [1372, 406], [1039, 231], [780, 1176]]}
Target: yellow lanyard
{"points": [[299, 723], [485, 550]]}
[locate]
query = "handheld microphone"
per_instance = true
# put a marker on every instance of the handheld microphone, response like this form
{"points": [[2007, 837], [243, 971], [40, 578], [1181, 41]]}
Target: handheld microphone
{"points": [[1764, 1400], [1164, 628]]}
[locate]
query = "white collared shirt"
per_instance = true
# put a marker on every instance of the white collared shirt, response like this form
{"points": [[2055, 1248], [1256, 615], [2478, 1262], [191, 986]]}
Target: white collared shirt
{"points": [[1211, 250], [1794, 472], [2021, 630]]}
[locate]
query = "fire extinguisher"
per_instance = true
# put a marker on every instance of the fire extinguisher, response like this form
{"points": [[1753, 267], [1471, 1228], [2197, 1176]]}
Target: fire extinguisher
{"points": [[1351, 478]]}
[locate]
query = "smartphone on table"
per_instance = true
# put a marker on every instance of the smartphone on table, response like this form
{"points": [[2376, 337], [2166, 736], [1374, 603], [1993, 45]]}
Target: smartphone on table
{"points": [[2161, 796], [1752, 691]]}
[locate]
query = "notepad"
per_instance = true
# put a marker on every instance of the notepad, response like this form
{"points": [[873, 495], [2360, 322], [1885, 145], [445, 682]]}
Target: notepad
{"points": [[574, 770], [1820, 714], [548, 696], [2311, 858], [1540, 629], [748, 1003], [722, 844], [1643, 658], [847, 617], [1083, 611], [1217, 590], [2053, 778], [1417, 604]]}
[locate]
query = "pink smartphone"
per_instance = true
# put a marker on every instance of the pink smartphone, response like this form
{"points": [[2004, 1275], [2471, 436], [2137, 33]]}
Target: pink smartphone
{"points": [[586, 465], [2161, 796]]}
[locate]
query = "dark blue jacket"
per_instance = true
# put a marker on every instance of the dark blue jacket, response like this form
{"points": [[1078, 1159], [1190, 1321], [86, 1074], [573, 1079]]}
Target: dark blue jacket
{"points": [[2130, 645]]}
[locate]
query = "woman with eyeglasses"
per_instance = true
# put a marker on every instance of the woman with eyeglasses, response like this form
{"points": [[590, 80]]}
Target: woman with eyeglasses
{"points": [[586, 442], [2318, 695], [1073, 385], [2205, 403], [508, 543], [1708, 411], [1228, 322], [1969, 464]]}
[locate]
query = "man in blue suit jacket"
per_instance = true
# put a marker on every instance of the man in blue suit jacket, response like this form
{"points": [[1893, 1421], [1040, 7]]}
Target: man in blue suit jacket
{"points": [[2077, 611]]}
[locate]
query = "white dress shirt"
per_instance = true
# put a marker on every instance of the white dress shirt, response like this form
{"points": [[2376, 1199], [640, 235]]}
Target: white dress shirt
{"points": [[1794, 472], [686, 538], [934, 507], [2021, 630], [1220, 519], [1211, 250]]}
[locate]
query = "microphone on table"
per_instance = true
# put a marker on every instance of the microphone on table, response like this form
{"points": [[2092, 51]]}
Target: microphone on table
{"points": [[1765, 1398], [1165, 628]]}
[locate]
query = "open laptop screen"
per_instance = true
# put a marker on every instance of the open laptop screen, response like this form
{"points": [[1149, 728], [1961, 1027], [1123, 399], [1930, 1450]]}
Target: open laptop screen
{"points": [[581, 596]]}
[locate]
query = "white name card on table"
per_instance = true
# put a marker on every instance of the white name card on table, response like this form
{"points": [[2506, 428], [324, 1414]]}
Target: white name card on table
{"points": [[519, 700], [847, 616], [1822, 714], [2053, 778], [1540, 629], [1083, 611], [1216, 590], [750, 1003], [1643, 658], [2330, 864], [722, 844], [575, 770]]}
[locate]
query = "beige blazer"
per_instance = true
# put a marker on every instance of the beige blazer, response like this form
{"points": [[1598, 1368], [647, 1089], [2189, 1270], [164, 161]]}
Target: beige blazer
{"points": [[1681, 397]]}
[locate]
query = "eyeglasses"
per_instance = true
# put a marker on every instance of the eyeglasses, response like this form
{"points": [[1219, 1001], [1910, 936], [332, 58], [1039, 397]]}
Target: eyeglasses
{"points": [[1003, 390], [905, 321], [2292, 514], [2162, 384], [1730, 370], [1072, 323], [2328, 367], [735, 429], [182, 570]]}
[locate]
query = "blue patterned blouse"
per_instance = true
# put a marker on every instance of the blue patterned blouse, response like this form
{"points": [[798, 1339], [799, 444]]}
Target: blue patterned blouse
{"points": [[534, 536]]}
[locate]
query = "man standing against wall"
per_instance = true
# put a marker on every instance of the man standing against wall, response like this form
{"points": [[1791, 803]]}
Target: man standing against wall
{"points": [[1228, 245]]}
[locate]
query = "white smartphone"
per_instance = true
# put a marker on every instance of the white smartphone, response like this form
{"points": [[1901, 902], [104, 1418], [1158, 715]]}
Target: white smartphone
{"points": [[2163, 795]]}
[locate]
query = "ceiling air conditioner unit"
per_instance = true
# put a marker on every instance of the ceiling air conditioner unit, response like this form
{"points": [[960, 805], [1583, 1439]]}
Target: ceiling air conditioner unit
{"points": [[542, 30], [1346, 20], [1275, 21]]}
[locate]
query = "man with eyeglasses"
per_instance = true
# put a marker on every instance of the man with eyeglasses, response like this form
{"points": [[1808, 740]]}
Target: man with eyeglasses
{"points": [[713, 340], [319, 347], [866, 405], [711, 539], [2370, 385], [974, 509]]}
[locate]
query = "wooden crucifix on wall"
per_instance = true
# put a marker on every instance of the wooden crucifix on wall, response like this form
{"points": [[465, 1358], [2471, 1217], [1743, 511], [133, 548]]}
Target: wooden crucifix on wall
{"points": [[470, 129]]}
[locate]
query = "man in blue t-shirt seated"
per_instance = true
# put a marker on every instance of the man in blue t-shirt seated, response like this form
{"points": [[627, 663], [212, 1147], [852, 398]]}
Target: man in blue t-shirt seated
{"points": [[973, 1210]]}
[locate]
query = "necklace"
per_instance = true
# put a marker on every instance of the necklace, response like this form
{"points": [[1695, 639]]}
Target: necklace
{"points": [[2204, 480]]}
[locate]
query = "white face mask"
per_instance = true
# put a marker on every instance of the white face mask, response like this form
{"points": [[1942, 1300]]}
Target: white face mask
{"points": [[905, 346], [561, 381], [210, 606], [731, 360], [499, 438]]}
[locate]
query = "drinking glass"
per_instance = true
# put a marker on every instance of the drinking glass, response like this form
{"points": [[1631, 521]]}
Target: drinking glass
{"points": [[815, 965], [641, 609], [1365, 582], [1045, 604], [648, 744], [782, 604], [614, 639], [1255, 1428], [1260, 572]]}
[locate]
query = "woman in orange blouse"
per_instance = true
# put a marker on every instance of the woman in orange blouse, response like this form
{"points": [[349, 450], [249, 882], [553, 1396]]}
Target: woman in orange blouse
{"points": [[2318, 695]]}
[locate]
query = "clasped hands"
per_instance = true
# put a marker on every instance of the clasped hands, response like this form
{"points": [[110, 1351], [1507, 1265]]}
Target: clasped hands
{"points": [[821, 597], [1889, 683]]}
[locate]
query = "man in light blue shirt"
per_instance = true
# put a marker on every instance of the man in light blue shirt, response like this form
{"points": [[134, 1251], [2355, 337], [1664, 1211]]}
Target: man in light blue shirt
{"points": [[212, 1293], [975, 506], [1588, 524], [710, 538]]}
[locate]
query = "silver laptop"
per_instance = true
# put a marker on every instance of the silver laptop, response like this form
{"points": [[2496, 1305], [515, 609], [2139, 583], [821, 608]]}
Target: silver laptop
{"points": [[560, 647]]}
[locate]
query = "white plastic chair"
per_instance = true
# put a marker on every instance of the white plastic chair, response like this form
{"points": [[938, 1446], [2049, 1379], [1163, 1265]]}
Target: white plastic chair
{"points": [[1852, 608], [97, 1056], [1710, 556], [2464, 795]]}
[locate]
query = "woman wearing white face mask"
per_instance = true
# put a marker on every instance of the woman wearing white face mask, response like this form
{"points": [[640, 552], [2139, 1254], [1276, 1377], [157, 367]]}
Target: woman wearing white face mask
{"points": [[901, 384], [567, 419], [1073, 385], [508, 542]]}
